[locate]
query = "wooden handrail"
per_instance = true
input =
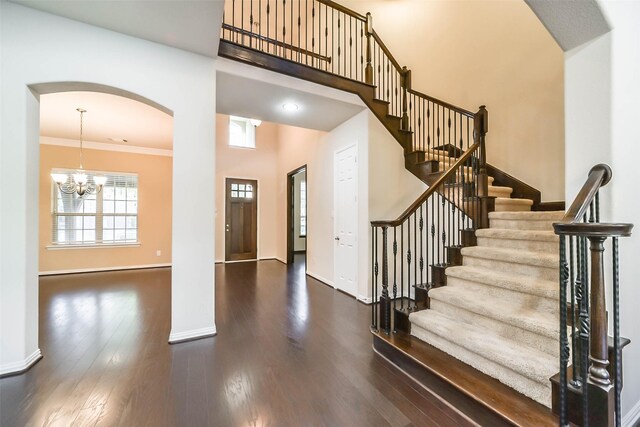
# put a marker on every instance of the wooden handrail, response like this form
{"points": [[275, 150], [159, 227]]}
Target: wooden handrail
{"points": [[432, 189], [276, 42], [593, 229], [386, 51], [599, 176], [442, 103], [343, 9]]}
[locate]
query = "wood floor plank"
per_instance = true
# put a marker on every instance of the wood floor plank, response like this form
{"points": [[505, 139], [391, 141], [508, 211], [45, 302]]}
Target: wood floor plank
{"points": [[290, 351]]}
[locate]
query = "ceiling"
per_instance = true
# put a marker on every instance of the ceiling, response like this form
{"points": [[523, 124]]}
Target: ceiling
{"points": [[107, 116], [245, 97], [189, 25]]}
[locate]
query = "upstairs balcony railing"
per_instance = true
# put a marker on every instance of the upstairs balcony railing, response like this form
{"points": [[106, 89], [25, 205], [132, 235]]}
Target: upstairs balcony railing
{"points": [[326, 36]]}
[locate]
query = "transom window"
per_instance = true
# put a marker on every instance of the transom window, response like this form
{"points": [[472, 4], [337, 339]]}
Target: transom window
{"points": [[241, 191], [109, 217], [242, 133]]}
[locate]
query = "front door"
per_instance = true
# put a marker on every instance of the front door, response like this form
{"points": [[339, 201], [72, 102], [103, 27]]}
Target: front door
{"points": [[346, 219], [241, 227]]}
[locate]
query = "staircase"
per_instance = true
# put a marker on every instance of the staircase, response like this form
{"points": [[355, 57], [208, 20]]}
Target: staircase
{"points": [[499, 310], [465, 281]]}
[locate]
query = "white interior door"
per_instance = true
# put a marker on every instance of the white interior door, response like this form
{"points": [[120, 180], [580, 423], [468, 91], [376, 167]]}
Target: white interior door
{"points": [[346, 220]]}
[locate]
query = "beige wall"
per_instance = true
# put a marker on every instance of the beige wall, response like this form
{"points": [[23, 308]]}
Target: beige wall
{"points": [[259, 164], [154, 209], [473, 52]]}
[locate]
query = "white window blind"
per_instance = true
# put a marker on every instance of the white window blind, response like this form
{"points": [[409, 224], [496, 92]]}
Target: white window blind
{"points": [[109, 217]]}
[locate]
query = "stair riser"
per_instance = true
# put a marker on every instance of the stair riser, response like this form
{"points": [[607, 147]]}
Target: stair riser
{"points": [[499, 192], [526, 300], [511, 207], [507, 267], [521, 336], [533, 389], [510, 224], [528, 245]]}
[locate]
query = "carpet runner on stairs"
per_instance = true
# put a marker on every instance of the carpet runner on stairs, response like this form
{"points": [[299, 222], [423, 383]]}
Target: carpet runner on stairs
{"points": [[499, 310]]}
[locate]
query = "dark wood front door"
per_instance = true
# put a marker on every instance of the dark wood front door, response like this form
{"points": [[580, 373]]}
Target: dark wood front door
{"points": [[241, 227]]}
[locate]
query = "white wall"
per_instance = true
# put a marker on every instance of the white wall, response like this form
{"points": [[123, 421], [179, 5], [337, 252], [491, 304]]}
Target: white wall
{"points": [[41, 48], [601, 99], [625, 152]]}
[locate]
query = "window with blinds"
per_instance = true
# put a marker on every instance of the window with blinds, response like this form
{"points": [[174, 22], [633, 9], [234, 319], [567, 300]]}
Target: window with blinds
{"points": [[107, 218]]}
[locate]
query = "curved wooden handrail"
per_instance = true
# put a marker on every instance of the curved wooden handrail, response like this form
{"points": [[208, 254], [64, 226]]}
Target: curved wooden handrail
{"points": [[432, 189], [572, 224], [444, 104], [599, 176], [343, 9]]}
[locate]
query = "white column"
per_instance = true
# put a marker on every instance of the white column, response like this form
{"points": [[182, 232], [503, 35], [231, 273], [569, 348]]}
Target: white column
{"points": [[193, 241], [19, 166]]}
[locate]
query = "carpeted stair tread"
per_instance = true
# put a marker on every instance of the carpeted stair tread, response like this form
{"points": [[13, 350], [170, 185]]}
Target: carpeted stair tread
{"points": [[506, 255], [505, 233], [541, 323], [528, 216], [528, 362], [499, 191], [514, 282]]}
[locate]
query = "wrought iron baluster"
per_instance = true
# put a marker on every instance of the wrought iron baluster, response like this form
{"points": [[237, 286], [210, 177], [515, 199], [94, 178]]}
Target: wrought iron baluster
{"points": [[616, 327], [395, 257], [401, 266], [564, 347]]}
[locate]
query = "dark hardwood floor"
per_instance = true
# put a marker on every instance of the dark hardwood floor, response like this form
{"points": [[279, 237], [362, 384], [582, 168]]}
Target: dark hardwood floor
{"points": [[290, 351]]}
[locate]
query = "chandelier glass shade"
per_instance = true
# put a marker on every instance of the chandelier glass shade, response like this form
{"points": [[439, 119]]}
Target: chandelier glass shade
{"points": [[79, 183]]}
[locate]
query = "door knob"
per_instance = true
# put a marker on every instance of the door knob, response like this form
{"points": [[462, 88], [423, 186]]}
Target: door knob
{"points": [[337, 238]]}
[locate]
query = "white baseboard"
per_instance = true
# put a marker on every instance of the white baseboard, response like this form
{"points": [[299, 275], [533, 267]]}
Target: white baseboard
{"points": [[95, 270], [322, 279], [632, 417], [366, 300], [23, 365], [195, 334]]}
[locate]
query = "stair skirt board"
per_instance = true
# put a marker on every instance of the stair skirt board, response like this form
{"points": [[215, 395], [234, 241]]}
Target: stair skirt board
{"points": [[526, 386]]}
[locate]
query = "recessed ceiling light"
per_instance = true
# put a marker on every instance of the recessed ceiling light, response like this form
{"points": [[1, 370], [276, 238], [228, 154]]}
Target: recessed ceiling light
{"points": [[120, 140], [290, 107]]}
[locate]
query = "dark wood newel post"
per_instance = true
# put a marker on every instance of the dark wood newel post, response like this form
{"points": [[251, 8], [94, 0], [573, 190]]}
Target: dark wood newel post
{"points": [[406, 84], [480, 129], [385, 301], [368, 71], [600, 389]]}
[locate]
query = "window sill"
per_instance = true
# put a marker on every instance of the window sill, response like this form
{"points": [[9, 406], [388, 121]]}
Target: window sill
{"points": [[94, 246]]}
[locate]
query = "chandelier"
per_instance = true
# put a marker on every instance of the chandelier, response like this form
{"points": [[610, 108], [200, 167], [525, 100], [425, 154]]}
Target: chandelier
{"points": [[79, 182]]}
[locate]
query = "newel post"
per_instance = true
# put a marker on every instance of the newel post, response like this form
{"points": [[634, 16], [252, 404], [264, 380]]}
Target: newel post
{"points": [[385, 301], [600, 389], [368, 71], [406, 84], [480, 129]]}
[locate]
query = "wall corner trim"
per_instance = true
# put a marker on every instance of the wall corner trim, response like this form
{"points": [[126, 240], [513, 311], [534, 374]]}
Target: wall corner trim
{"points": [[194, 334], [632, 417], [17, 368], [363, 299]]}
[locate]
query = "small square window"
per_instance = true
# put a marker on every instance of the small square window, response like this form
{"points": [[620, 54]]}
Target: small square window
{"points": [[241, 133]]}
